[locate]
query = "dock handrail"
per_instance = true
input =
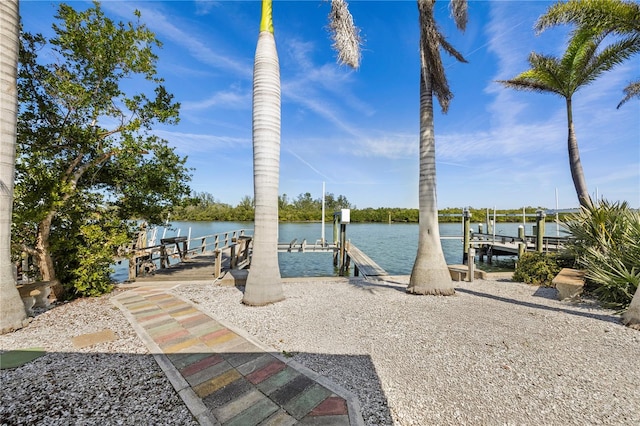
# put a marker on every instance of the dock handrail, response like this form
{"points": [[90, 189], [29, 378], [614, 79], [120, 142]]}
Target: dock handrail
{"points": [[527, 239], [147, 257]]}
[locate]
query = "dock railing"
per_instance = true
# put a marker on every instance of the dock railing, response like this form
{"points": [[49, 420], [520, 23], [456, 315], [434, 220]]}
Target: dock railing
{"points": [[146, 260]]}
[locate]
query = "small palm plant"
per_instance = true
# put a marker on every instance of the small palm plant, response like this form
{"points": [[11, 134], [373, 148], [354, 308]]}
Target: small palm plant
{"points": [[607, 246]]}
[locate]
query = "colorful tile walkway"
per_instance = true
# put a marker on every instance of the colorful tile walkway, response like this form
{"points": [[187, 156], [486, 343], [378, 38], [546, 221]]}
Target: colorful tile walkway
{"points": [[225, 378]]}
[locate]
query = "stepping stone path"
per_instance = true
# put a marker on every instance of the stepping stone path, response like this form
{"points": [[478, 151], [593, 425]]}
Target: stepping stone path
{"points": [[225, 378]]}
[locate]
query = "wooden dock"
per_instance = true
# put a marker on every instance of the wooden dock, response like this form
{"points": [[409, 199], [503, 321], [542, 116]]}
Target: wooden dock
{"points": [[498, 245], [363, 264], [230, 255], [195, 268]]}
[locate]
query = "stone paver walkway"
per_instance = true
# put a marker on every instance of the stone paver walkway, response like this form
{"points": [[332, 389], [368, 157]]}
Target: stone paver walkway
{"points": [[223, 376]]}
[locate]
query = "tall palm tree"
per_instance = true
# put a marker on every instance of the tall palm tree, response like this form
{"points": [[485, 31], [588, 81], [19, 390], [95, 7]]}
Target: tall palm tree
{"points": [[617, 16], [623, 19], [12, 312], [430, 274], [581, 64], [264, 282]]}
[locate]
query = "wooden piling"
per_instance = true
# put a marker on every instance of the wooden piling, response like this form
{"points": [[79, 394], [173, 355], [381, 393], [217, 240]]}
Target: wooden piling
{"points": [[522, 245], [540, 215], [466, 219]]}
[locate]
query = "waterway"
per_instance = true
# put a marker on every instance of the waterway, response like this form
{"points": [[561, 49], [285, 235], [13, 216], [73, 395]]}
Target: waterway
{"points": [[392, 246]]}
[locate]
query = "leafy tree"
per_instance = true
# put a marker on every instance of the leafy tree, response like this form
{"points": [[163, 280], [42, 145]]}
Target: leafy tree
{"points": [[264, 283], [430, 274], [581, 64], [86, 153], [617, 16], [12, 312]]}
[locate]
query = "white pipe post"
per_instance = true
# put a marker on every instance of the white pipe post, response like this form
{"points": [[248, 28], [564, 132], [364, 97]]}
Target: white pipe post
{"points": [[557, 221], [322, 231]]}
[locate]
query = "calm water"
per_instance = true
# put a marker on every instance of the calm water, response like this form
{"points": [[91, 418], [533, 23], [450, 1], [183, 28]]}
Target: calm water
{"points": [[392, 246]]}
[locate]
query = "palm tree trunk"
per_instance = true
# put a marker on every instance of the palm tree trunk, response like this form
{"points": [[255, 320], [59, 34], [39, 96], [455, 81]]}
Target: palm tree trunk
{"points": [[631, 317], [264, 283], [12, 312], [430, 274], [577, 174]]}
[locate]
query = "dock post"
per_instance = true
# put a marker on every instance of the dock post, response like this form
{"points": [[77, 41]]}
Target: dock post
{"points": [[164, 257], [133, 270], [466, 234], [489, 223], [472, 263], [336, 241], [522, 245], [217, 266], [540, 215], [343, 252]]}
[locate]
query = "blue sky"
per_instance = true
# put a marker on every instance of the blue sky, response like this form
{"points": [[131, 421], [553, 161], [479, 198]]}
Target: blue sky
{"points": [[357, 131]]}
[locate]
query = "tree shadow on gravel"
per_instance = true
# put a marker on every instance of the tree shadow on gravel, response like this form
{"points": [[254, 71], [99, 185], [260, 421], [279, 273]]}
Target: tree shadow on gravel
{"points": [[120, 388], [602, 317], [371, 284]]}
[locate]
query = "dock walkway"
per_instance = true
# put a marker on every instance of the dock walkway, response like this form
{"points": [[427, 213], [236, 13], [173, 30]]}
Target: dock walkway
{"points": [[363, 264], [222, 375]]}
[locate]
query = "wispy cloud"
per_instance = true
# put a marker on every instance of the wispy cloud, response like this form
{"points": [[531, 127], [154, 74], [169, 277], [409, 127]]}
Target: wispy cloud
{"points": [[204, 7], [193, 143], [386, 145], [226, 99], [310, 166], [197, 48]]}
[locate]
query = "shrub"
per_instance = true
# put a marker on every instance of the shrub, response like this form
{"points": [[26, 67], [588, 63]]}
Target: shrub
{"points": [[607, 247], [536, 268]]}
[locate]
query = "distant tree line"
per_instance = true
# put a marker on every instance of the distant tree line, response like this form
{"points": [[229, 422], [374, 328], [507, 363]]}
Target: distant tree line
{"points": [[304, 208]]}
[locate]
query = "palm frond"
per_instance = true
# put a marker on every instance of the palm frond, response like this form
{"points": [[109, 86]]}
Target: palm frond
{"points": [[447, 47], [459, 13], [547, 72], [612, 55], [431, 40], [345, 34], [631, 91], [622, 17], [528, 84]]}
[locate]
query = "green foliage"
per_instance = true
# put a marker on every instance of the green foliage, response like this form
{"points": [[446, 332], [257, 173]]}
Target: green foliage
{"points": [[204, 206], [607, 246], [83, 259], [536, 268], [85, 154]]}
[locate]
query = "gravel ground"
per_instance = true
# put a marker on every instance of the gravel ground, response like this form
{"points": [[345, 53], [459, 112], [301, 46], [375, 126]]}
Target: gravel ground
{"points": [[110, 383], [496, 353]]}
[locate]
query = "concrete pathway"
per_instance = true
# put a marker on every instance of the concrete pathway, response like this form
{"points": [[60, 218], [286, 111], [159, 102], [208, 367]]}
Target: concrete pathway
{"points": [[223, 376]]}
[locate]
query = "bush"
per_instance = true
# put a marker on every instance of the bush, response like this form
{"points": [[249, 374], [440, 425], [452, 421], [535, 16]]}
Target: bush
{"points": [[84, 251], [536, 268], [607, 247]]}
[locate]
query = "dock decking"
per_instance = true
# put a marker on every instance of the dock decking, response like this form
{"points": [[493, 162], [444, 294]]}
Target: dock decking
{"points": [[363, 264]]}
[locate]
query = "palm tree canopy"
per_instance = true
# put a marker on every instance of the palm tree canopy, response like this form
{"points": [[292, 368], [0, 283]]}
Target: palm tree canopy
{"points": [[582, 63], [616, 16], [431, 40], [602, 15]]}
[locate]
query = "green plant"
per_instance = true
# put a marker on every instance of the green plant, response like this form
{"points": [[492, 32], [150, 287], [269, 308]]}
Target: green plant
{"points": [[607, 246], [536, 268]]}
